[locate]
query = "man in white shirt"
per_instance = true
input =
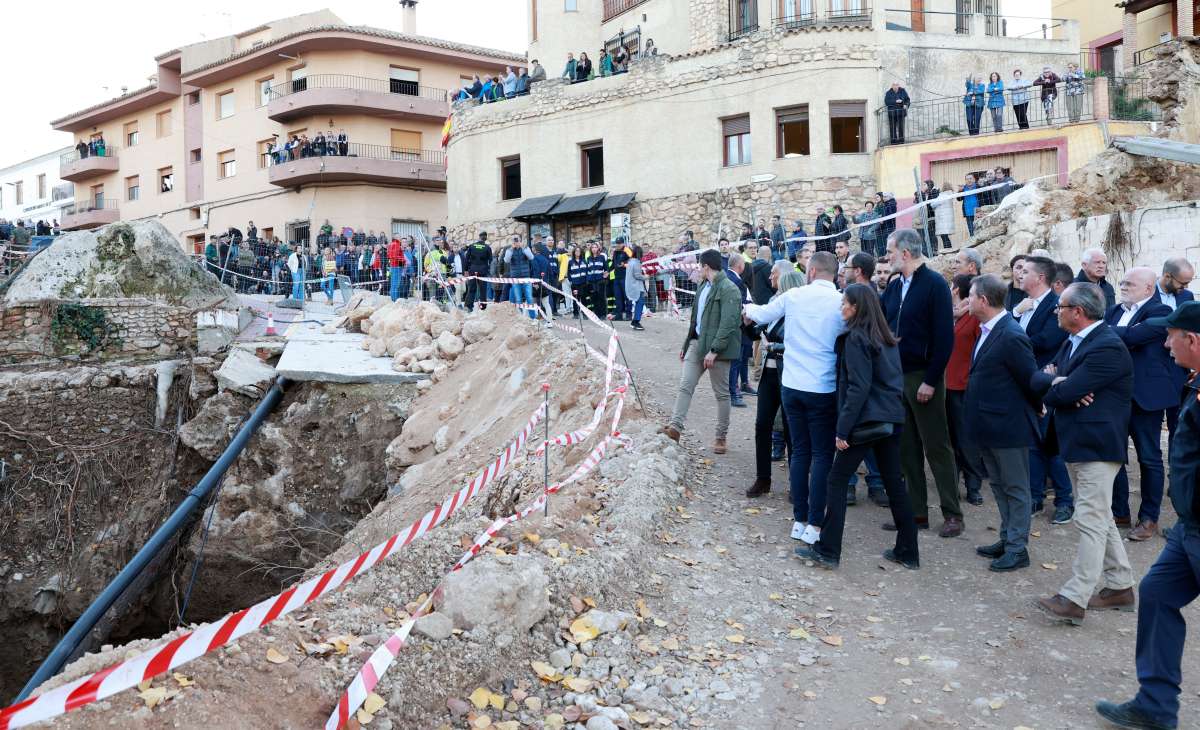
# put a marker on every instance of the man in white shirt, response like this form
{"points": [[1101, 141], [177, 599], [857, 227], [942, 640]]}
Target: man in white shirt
{"points": [[809, 384], [295, 264], [1177, 274]]}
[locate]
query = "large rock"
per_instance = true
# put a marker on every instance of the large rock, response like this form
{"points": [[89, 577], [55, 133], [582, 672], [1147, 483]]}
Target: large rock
{"points": [[449, 345], [244, 373], [211, 430], [477, 328], [503, 593]]}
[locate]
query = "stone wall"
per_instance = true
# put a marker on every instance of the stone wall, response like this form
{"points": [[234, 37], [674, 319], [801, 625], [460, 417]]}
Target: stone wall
{"points": [[708, 22], [139, 327]]}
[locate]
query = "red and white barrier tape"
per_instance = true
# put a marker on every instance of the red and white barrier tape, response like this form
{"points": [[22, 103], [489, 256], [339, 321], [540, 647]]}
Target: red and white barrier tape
{"points": [[209, 637], [578, 435]]}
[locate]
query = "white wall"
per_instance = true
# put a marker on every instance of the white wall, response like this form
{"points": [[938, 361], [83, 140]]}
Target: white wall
{"points": [[35, 208]]}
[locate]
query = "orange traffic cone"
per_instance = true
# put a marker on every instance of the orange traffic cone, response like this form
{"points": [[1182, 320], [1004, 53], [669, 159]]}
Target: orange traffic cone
{"points": [[270, 323]]}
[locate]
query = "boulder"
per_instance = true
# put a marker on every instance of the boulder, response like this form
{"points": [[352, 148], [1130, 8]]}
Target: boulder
{"points": [[244, 373], [508, 594], [449, 345], [436, 626], [213, 426], [476, 329]]}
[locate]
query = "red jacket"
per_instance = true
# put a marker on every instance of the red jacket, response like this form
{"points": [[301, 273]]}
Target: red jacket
{"points": [[650, 263], [966, 334], [395, 253]]}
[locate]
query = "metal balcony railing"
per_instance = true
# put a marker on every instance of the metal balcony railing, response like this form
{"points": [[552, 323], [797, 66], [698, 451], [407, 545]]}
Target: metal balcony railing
{"points": [[852, 15], [613, 8], [355, 149], [940, 21], [87, 206], [357, 83], [74, 156], [1147, 55], [1128, 102]]}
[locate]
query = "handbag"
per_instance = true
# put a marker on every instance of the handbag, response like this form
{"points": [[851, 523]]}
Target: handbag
{"points": [[872, 431]]}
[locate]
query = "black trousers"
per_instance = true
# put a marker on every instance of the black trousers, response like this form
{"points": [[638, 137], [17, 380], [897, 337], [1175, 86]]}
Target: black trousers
{"points": [[896, 125], [476, 290], [1022, 112], [845, 463], [966, 454], [599, 298], [770, 400]]}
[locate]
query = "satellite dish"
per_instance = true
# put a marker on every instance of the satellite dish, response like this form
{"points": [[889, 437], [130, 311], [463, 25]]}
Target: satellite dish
{"points": [[763, 178]]}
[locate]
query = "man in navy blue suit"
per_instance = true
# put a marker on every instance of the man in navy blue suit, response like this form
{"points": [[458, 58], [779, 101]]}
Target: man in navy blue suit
{"points": [[1172, 291], [1153, 392], [1003, 420], [1036, 316], [1174, 580], [1089, 385]]}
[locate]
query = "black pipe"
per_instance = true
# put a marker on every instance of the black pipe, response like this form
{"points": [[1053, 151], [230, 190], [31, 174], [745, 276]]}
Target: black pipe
{"points": [[83, 625]]}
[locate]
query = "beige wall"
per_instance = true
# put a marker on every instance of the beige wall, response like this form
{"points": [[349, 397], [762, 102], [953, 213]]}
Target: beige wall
{"points": [[560, 31], [1098, 19], [666, 21]]}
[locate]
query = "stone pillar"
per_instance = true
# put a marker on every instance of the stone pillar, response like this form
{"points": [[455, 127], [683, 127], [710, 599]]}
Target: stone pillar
{"points": [[1184, 18], [1100, 98], [1129, 40]]}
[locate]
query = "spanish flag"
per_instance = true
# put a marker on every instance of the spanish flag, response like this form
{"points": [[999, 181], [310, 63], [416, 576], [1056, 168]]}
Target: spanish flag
{"points": [[446, 130]]}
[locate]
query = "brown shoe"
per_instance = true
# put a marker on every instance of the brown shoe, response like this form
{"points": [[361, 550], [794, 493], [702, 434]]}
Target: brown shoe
{"points": [[1111, 599], [1122, 521], [719, 446], [759, 488], [1062, 608], [671, 432], [952, 527], [1144, 531]]}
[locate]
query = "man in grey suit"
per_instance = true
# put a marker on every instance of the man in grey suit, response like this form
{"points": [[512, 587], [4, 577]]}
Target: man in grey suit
{"points": [[1003, 423]]}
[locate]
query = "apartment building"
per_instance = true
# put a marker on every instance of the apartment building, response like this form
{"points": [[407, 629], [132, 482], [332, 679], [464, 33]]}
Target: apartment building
{"points": [[750, 108], [32, 190], [1119, 36], [191, 148]]}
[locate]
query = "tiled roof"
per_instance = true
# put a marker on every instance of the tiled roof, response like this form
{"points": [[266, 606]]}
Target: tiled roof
{"points": [[367, 31], [103, 104]]}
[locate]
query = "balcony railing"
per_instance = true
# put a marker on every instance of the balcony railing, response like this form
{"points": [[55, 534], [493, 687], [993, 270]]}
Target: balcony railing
{"points": [[87, 206], [853, 15], [74, 156], [356, 83], [613, 8], [365, 151], [1127, 100], [948, 116], [939, 21], [1147, 55]]}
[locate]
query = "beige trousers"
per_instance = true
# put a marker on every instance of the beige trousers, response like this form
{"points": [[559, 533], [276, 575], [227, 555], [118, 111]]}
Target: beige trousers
{"points": [[718, 375], [1101, 561]]}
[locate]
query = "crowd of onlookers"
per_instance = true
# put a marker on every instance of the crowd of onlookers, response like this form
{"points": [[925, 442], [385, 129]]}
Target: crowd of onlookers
{"points": [[300, 146], [94, 147], [994, 95]]}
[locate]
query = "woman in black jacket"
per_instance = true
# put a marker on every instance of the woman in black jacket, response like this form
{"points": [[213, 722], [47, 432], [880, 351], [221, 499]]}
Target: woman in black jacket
{"points": [[577, 277], [870, 381], [583, 69]]}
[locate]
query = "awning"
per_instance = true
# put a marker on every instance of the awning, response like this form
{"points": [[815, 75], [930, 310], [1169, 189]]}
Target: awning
{"points": [[535, 206], [577, 204], [617, 201]]}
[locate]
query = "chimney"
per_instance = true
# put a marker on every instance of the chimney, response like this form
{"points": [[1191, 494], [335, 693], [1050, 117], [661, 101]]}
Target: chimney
{"points": [[408, 13]]}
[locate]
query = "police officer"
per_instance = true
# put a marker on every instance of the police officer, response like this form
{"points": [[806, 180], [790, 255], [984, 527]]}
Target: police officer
{"points": [[477, 261], [1174, 580]]}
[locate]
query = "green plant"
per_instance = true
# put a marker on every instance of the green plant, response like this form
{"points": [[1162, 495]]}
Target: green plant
{"points": [[945, 129], [1130, 108], [1095, 73], [84, 324]]}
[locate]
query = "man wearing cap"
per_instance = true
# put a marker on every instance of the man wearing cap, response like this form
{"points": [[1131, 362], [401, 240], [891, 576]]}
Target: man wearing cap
{"points": [[1174, 580], [713, 341]]}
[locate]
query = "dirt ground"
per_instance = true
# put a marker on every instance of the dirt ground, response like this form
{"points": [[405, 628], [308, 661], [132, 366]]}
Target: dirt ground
{"points": [[951, 645]]}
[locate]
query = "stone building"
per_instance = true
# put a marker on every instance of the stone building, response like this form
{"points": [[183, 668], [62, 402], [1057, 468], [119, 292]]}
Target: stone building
{"points": [[749, 109]]}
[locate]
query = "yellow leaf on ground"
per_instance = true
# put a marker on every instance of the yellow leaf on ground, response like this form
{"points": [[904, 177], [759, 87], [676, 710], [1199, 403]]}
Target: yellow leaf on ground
{"points": [[641, 718], [145, 684], [577, 684], [878, 699], [753, 511], [553, 721], [722, 550], [583, 630], [833, 640], [508, 725], [874, 619], [374, 703], [670, 644], [1049, 566], [496, 701], [659, 622], [545, 671], [736, 639], [996, 704], [182, 679], [647, 646], [902, 661], [275, 657], [809, 694], [153, 695], [480, 697], [591, 602], [799, 633], [775, 597], [532, 537], [481, 722], [364, 717]]}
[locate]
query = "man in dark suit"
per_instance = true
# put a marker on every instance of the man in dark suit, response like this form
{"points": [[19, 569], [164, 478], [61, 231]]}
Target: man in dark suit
{"points": [[1090, 385], [1036, 316], [1153, 393], [918, 309], [1172, 291], [1003, 421], [1093, 269]]}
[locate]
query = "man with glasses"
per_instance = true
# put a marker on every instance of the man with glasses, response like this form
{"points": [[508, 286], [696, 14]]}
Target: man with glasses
{"points": [[1089, 386], [1173, 291]]}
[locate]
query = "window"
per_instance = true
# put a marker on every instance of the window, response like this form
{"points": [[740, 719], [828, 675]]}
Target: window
{"points": [[226, 164], [97, 200], [264, 90], [266, 234], [166, 179], [570, 5], [510, 178], [196, 155], [402, 228], [264, 152], [19, 192], [131, 133], [591, 162], [743, 17], [735, 134], [846, 126], [194, 213], [796, 12], [41, 186], [404, 80], [792, 123], [225, 105], [162, 123], [193, 98], [299, 79], [132, 188], [406, 145]]}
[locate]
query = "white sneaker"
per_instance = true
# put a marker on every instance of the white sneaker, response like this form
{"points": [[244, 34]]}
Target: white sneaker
{"points": [[798, 529], [811, 535]]}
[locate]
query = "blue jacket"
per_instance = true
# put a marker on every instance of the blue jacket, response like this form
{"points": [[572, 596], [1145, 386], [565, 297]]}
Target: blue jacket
{"points": [[999, 395], [925, 324], [995, 92], [597, 268], [974, 95], [520, 264], [1043, 331], [542, 266], [578, 270], [1101, 366], [1153, 368], [1185, 466], [969, 202]]}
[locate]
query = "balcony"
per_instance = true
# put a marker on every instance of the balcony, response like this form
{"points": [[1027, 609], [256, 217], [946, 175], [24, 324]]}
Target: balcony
{"points": [[613, 8], [329, 94], [73, 168], [365, 163], [89, 214], [853, 14]]}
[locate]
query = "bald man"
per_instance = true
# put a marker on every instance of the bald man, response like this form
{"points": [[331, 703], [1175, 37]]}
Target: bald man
{"points": [[1154, 391]]}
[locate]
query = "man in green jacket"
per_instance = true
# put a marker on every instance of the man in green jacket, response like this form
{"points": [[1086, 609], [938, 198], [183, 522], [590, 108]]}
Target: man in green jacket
{"points": [[714, 339]]}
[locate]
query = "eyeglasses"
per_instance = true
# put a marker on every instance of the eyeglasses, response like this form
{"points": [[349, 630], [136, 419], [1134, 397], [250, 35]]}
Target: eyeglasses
{"points": [[1179, 281], [1061, 306]]}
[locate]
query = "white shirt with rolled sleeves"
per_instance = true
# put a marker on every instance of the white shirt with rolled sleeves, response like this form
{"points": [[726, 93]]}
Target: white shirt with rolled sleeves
{"points": [[813, 322]]}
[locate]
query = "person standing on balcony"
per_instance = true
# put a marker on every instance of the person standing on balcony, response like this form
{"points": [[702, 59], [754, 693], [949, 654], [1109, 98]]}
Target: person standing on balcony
{"points": [[510, 83], [897, 102], [974, 102], [1019, 87], [536, 73], [568, 70], [1049, 83], [995, 101], [1074, 91], [583, 69], [606, 63]]}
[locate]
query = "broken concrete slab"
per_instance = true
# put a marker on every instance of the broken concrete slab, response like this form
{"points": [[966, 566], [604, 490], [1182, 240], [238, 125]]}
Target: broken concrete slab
{"points": [[244, 373], [337, 359]]}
